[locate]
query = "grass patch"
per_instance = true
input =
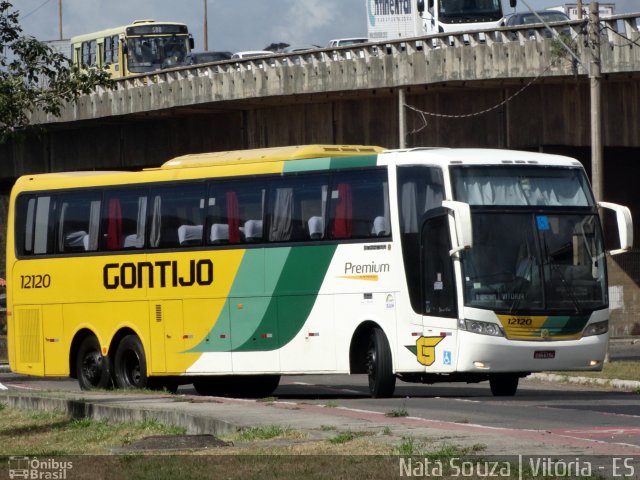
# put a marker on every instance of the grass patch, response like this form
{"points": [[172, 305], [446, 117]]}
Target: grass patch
{"points": [[409, 447], [266, 432], [345, 437], [611, 371], [397, 412], [53, 433]]}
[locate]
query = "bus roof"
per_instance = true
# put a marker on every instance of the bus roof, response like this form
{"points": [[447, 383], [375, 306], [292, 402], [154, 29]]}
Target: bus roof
{"points": [[480, 156], [273, 154], [115, 30]]}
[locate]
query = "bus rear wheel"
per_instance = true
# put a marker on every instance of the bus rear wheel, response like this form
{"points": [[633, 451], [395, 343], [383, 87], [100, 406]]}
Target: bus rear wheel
{"points": [[382, 381], [130, 364], [93, 369], [504, 385]]}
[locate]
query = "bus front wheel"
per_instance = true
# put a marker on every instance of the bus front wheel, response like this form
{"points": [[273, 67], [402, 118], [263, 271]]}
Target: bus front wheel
{"points": [[130, 364], [504, 385], [93, 369], [382, 381]]}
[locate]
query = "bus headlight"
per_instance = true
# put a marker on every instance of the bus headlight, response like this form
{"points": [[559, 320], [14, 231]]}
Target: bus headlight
{"points": [[597, 328], [481, 328]]}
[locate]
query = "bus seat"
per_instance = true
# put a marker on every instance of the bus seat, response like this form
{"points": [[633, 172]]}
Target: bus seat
{"points": [[190, 234], [130, 241], [76, 241], [316, 227], [380, 227], [219, 233], [253, 230]]}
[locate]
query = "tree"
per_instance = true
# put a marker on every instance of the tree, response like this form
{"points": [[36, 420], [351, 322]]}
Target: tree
{"points": [[35, 76]]}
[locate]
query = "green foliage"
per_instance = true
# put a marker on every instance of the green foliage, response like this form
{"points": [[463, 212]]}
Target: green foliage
{"points": [[262, 433], [33, 76]]}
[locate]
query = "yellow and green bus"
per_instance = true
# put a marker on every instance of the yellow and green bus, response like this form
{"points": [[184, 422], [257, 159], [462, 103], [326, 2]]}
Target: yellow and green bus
{"points": [[142, 47], [228, 270]]}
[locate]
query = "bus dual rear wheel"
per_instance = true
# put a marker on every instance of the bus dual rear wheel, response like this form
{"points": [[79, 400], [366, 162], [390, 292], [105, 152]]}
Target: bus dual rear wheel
{"points": [[93, 369], [130, 364]]}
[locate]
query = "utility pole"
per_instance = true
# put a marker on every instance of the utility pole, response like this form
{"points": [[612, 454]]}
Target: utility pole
{"points": [[60, 18], [596, 101], [579, 7], [402, 112], [206, 28]]}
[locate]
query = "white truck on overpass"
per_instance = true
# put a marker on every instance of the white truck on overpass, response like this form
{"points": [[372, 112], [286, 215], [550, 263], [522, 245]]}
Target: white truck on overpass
{"points": [[397, 19]]}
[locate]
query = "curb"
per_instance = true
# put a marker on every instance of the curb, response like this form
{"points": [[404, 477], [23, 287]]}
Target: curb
{"points": [[96, 409], [602, 382]]}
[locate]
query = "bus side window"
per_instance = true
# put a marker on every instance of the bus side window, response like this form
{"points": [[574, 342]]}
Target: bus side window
{"points": [[236, 213], [78, 222], [177, 213], [360, 205], [124, 219], [298, 208], [34, 231]]}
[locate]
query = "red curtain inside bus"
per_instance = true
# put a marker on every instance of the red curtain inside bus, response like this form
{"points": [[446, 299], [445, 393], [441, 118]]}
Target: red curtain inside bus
{"points": [[233, 217], [343, 220], [114, 228]]}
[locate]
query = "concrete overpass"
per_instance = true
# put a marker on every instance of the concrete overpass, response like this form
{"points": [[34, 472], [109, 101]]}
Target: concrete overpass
{"points": [[510, 88]]}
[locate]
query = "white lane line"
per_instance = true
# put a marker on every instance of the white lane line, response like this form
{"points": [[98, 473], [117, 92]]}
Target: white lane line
{"points": [[2, 387]]}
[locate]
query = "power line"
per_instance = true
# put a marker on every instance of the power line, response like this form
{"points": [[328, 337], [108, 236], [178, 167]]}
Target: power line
{"points": [[629, 41], [34, 10], [424, 114]]}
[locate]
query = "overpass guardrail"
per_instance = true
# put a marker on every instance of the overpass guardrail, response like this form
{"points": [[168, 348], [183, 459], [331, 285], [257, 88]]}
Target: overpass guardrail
{"points": [[504, 53]]}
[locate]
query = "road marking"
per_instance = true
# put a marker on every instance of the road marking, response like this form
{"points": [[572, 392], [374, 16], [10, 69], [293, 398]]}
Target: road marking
{"points": [[2, 387]]}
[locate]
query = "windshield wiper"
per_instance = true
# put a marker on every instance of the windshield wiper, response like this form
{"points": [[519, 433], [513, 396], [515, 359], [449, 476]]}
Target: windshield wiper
{"points": [[519, 293], [566, 286]]}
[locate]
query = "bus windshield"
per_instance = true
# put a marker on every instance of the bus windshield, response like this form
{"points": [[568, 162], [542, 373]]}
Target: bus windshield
{"points": [[528, 262], [147, 53], [470, 10], [523, 260]]}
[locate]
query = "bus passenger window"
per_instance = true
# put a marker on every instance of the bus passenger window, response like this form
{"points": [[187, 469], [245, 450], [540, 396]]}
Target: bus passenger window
{"points": [[34, 230], [360, 205], [235, 213], [78, 222], [177, 216], [298, 208], [124, 219]]}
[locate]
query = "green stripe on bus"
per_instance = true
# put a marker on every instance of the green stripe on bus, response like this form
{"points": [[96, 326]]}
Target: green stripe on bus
{"points": [[315, 164], [266, 316], [308, 165], [564, 325], [354, 162], [303, 272]]}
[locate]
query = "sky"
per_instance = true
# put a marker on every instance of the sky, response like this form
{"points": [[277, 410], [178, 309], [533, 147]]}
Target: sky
{"points": [[234, 25]]}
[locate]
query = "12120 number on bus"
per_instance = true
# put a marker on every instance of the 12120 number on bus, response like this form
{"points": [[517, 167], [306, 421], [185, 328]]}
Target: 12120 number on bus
{"points": [[35, 281]]}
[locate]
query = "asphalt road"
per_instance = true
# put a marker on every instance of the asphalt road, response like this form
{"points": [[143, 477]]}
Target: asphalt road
{"points": [[576, 415]]}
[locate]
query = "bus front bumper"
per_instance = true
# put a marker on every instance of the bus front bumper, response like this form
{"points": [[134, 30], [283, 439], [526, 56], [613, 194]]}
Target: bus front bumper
{"points": [[487, 354]]}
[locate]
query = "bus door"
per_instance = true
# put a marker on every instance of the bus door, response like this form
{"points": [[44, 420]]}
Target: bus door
{"points": [[436, 348]]}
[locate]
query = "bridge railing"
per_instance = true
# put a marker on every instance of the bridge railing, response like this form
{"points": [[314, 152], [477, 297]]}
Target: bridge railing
{"points": [[617, 29]]}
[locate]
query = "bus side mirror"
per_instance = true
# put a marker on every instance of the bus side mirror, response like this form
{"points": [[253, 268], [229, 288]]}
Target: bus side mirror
{"points": [[125, 48], [192, 43], [462, 218], [625, 226], [513, 3], [420, 7], [430, 4]]}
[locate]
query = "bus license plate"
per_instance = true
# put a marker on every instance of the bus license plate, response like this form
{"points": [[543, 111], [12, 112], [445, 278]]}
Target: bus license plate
{"points": [[544, 354]]}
